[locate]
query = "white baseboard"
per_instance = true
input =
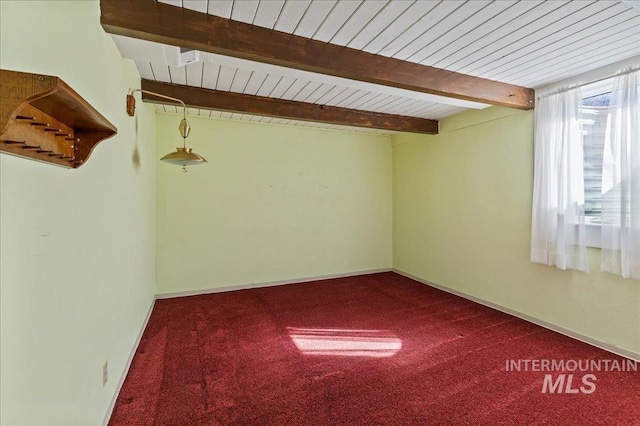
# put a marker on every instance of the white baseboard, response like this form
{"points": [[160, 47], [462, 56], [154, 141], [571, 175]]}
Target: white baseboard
{"points": [[553, 327], [116, 392], [118, 388], [266, 284]]}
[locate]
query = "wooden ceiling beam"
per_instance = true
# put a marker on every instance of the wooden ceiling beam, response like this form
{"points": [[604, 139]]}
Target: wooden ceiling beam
{"points": [[176, 26], [257, 105]]}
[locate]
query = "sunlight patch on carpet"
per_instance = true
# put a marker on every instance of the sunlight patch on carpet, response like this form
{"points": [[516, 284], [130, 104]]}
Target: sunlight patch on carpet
{"points": [[341, 342]]}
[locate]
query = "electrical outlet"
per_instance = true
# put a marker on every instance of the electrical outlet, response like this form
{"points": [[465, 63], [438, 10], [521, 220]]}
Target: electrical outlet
{"points": [[105, 373]]}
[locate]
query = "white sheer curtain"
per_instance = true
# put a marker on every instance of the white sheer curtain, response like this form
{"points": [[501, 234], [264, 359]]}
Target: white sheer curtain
{"points": [[558, 232], [621, 180]]}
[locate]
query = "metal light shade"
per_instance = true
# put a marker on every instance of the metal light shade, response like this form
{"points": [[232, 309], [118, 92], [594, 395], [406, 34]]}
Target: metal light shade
{"points": [[183, 157]]}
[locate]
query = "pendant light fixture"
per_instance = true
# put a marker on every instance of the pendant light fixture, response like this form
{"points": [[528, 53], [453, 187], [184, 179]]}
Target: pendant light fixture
{"points": [[183, 156]]}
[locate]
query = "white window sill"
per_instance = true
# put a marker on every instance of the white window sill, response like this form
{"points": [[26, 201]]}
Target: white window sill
{"points": [[593, 234]]}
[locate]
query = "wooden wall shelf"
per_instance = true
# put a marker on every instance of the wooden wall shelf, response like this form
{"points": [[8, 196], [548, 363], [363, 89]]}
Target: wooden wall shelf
{"points": [[44, 119]]}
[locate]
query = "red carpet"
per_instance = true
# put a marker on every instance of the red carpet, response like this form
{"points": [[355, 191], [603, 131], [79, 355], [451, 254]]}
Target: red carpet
{"points": [[375, 349]]}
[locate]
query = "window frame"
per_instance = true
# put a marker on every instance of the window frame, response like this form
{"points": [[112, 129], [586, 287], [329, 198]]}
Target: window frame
{"points": [[592, 226]]}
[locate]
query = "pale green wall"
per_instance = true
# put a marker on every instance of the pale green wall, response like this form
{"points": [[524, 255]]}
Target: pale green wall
{"points": [[462, 219], [77, 247], [274, 203]]}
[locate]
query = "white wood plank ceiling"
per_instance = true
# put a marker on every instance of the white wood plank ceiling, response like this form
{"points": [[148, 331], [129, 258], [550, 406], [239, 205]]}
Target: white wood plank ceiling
{"points": [[528, 43]]}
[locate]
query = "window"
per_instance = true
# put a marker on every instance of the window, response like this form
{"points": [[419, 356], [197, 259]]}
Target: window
{"points": [[587, 175], [595, 120], [593, 124]]}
